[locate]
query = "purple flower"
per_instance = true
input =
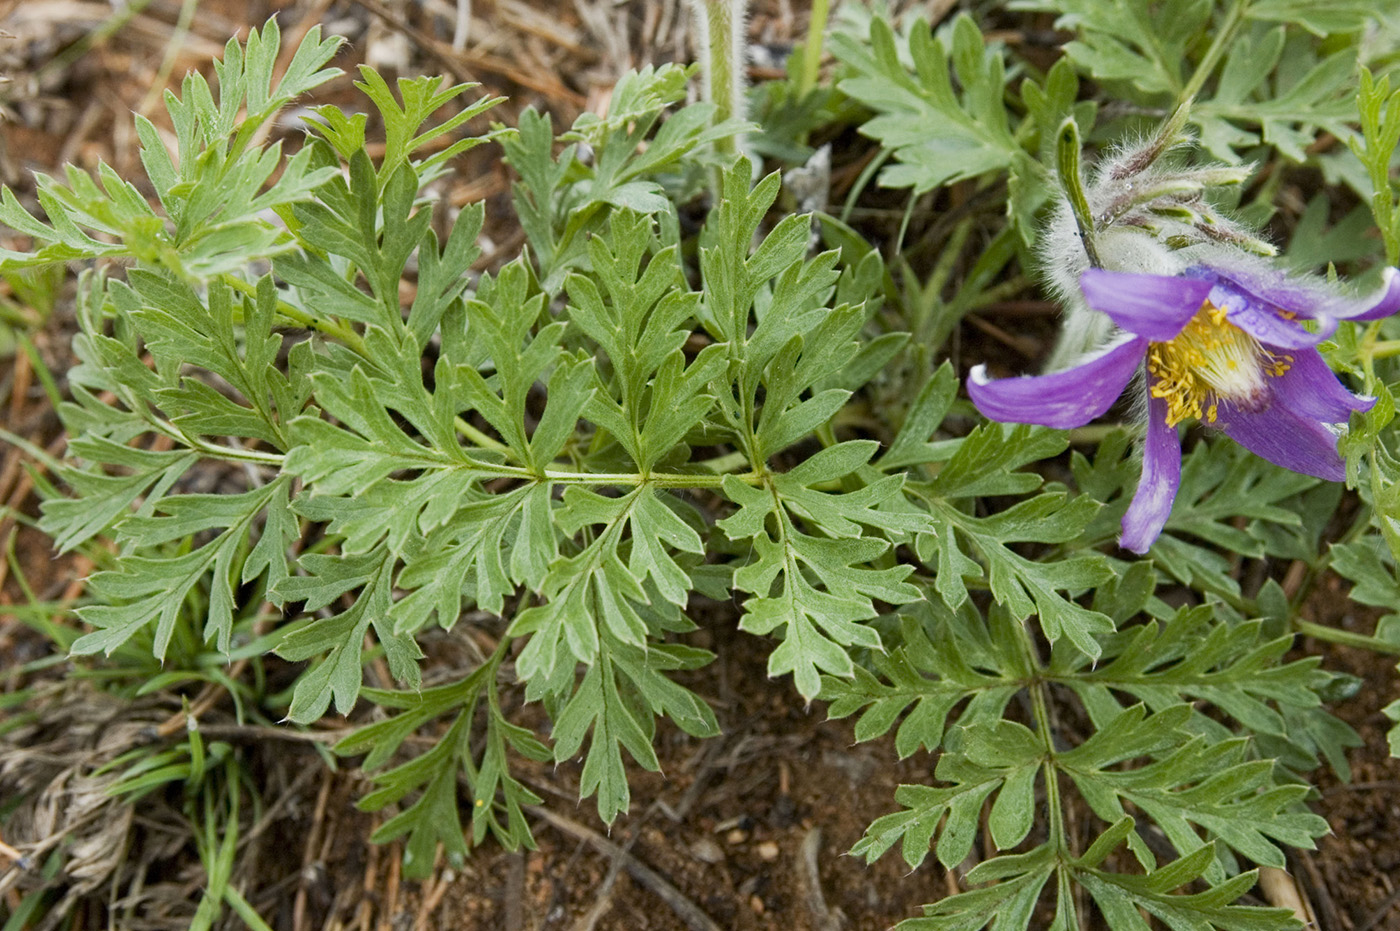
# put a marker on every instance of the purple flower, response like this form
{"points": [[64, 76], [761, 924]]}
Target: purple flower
{"points": [[1221, 346]]}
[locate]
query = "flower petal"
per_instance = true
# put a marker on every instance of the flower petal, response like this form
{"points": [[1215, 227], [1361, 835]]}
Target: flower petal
{"points": [[1066, 399], [1310, 389], [1265, 323], [1161, 477], [1273, 288], [1300, 444], [1383, 303], [1154, 306]]}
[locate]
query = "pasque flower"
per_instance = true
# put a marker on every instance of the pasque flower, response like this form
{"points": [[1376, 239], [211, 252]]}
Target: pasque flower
{"points": [[1165, 293], [1221, 345]]}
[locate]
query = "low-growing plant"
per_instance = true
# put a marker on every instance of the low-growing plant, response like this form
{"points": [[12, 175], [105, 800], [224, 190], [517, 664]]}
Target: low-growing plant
{"points": [[566, 448]]}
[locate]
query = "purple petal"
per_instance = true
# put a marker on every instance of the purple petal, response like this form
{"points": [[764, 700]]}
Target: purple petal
{"points": [[1383, 303], [1310, 389], [1161, 476], [1062, 400], [1275, 289], [1266, 324], [1154, 306], [1300, 444]]}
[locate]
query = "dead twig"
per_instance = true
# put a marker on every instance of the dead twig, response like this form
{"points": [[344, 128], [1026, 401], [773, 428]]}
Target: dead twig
{"points": [[459, 65], [1374, 919], [823, 918], [308, 857], [432, 896], [1282, 890], [515, 893], [686, 910], [1317, 888]]}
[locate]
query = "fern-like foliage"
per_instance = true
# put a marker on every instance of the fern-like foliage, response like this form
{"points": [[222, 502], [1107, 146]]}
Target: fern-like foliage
{"points": [[307, 421]]}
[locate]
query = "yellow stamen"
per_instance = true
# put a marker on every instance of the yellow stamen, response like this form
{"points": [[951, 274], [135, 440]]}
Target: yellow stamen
{"points": [[1211, 360]]}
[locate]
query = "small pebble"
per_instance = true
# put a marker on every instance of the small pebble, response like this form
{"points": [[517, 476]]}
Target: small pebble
{"points": [[768, 850], [756, 904], [736, 836], [706, 851]]}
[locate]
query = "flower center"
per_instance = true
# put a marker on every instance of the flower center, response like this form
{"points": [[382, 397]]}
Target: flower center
{"points": [[1209, 361]]}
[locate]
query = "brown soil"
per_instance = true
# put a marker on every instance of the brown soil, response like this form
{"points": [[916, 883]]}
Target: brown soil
{"points": [[746, 831]]}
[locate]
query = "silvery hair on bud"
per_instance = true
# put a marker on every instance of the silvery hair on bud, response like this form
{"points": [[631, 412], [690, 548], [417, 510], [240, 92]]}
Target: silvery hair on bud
{"points": [[1149, 218]]}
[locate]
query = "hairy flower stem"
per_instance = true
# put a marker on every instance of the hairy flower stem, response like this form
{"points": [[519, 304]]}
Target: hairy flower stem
{"points": [[721, 32], [812, 48], [1224, 36]]}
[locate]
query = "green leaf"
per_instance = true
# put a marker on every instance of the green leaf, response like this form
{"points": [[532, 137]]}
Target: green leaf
{"points": [[652, 398], [1000, 757], [404, 130], [216, 189], [817, 623], [1143, 45], [598, 706], [1282, 86], [923, 680], [1197, 785], [145, 588], [1221, 484], [938, 135], [339, 637], [434, 817], [1024, 586], [1120, 897], [102, 498], [1009, 901]]}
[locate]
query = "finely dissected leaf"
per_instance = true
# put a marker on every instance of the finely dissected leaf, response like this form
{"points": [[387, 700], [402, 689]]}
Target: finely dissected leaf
{"points": [[912, 444], [1143, 45], [1339, 17], [1370, 566], [614, 708], [1009, 900], [434, 817], [1277, 82], [1025, 586], [1120, 897], [1233, 667], [939, 135], [182, 328], [142, 589], [595, 593], [610, 603], [404, 125], [215, 190], [343, 221], [653, 397], [1290, 105], [339, 638], [984, 759], [1379, 109], [1222, 485], [1196, 785], [502, 315], [482, 552], [102, 498], [818, 622], [923, 680], [561, 200]]}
